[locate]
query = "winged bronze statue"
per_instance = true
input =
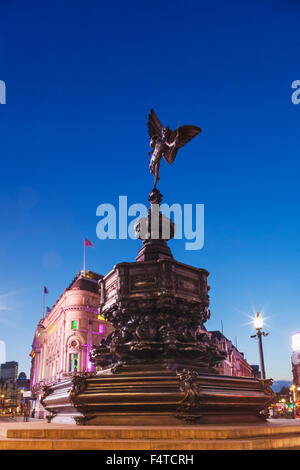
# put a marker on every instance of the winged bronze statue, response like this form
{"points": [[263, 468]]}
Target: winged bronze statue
{"points": [[166, 142]]}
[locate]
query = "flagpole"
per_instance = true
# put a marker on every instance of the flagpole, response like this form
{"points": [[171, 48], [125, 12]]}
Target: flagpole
{"points": [[85, 243], [84, 257], [44, 303]]}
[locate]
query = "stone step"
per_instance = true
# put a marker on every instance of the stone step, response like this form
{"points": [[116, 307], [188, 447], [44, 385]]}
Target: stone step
{"points": [[44, 436], [271, 443], [41, 431]]}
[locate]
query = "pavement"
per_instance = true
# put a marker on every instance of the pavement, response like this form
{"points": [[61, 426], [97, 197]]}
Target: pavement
{"points": [[17, 419]]}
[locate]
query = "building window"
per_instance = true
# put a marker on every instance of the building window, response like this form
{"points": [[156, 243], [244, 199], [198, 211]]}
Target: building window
{"points": [[74, 325], [101, 329], [73, 363]]}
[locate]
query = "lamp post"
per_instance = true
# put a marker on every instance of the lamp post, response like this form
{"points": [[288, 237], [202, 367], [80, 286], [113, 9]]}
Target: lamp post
{"points": [[258, 323]]}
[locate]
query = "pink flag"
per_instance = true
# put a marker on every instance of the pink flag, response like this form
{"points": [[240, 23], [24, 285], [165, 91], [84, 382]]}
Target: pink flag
{"points": [[88, 243]]}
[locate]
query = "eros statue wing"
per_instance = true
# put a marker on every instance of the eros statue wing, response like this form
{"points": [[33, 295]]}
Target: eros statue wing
{"points": [[182, 135], [154, 124]]}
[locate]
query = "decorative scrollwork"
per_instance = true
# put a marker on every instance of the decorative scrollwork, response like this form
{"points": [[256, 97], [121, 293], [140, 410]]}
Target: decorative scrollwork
{"points": [[266, 387], [47, 390], [188, 385], [79, 385], [165, 325]]}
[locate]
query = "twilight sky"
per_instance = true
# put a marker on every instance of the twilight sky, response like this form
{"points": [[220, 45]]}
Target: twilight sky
{"points": [[81, 77]]}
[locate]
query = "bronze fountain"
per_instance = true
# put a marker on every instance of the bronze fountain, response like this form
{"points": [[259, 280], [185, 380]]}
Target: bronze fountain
{"points": [[159, 366]]}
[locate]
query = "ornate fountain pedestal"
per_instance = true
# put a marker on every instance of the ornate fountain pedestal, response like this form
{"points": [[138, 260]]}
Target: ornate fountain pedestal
{"points": [[154, 395], [158, 367]]}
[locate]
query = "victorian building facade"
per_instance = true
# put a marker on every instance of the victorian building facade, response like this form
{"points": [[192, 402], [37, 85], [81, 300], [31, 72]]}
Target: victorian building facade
{"points": [[64, 338], [235, 363]]}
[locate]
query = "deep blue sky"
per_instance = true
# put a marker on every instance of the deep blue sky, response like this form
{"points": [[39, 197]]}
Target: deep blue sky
{"points": [[81, 78]]}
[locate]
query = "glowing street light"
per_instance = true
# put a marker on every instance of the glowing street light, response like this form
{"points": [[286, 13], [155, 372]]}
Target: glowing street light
{"points": [[258, 324], [258, 321], [296, 341]]}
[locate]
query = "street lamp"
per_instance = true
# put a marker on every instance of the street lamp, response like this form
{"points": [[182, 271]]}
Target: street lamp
{"points": [[296, 341], [258, 324]]}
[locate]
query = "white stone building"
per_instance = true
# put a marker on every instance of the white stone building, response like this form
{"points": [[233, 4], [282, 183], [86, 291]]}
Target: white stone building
{"points": [[64, 338]]}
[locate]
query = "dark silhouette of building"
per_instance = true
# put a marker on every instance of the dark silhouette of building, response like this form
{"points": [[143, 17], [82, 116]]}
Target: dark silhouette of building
{"points": [[22, 382], [9, 371], [12, 387]]}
